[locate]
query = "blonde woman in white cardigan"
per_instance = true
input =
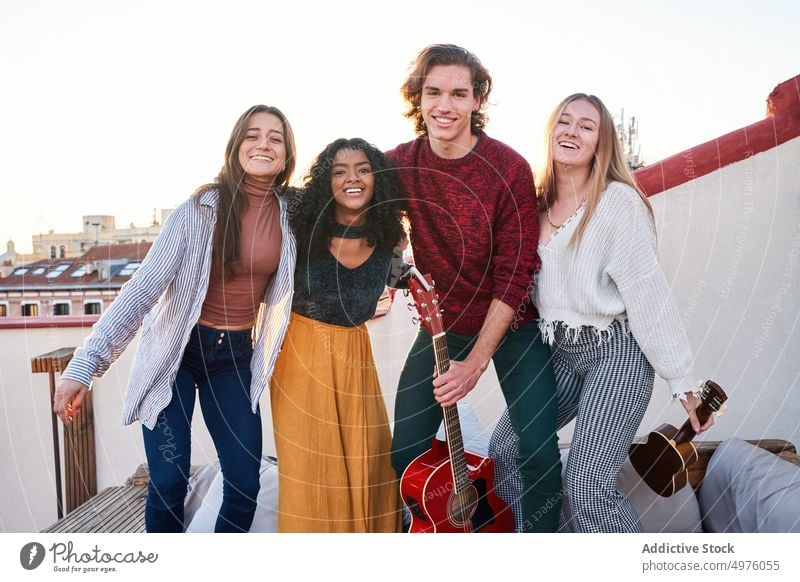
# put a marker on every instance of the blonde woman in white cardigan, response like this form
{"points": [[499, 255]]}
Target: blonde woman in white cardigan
{"points": [[605, 308]]}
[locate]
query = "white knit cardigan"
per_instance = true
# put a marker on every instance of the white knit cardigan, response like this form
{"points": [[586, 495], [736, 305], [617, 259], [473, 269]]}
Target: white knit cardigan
{"points": [[614, 274]]}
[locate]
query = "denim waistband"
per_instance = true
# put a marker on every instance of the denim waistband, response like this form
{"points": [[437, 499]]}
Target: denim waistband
{"points": [[210, 336]]}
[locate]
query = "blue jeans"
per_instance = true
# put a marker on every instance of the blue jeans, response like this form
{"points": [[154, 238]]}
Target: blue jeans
{"points": [[215, 365]]}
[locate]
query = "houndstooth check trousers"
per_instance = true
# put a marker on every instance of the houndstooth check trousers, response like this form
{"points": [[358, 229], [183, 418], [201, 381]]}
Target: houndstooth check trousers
{"points": [[604, 380]]}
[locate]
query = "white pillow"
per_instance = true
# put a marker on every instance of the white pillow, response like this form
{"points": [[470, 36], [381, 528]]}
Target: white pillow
{"points": [[266, 517], [199, 483]]}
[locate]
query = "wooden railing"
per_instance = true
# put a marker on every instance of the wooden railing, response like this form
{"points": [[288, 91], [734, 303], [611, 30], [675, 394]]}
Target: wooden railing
{"points": [[80, 467]]}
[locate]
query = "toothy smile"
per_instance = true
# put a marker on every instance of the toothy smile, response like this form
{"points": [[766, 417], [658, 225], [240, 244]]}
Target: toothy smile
{"points": [[258, 158], [568, 144], [353, 190]]}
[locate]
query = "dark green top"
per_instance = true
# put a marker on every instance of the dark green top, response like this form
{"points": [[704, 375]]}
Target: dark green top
{"points": [[327, 291]]}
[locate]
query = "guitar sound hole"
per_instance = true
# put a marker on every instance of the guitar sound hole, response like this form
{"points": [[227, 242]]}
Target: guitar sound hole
{"points": [[461, 506]]}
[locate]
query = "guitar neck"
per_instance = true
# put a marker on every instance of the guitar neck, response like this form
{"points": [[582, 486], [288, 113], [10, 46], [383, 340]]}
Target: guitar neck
{"points": [[452, 425]]}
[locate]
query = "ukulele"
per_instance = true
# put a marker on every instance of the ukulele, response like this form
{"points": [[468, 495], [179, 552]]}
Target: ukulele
{"points": [[663, 460], [448, 489]]}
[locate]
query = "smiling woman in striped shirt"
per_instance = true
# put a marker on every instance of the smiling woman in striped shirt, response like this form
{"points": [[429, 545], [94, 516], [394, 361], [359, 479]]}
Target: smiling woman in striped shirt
{"points": [[213, 295]]}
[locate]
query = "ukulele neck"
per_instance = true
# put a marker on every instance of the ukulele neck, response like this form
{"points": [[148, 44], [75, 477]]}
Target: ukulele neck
{"points": [[686, 432]]}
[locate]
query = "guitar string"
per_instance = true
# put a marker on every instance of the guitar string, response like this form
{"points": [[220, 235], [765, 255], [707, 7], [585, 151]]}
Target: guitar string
{"points": [[454, 441]]}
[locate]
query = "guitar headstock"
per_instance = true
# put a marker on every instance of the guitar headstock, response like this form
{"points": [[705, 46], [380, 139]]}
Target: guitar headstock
{"points": [[712, 396], [426, 301]]}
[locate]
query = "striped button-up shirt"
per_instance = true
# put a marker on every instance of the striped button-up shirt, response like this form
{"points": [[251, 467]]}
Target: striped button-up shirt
{"points": [[165, 297]]}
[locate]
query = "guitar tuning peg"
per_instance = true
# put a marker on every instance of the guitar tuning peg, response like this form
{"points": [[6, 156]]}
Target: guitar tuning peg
{"points": [[406, 292], [415, 320], [410, 306], [722, 410]]}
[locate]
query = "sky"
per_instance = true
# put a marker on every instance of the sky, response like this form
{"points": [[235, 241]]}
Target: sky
{"points": [[118, 107]]}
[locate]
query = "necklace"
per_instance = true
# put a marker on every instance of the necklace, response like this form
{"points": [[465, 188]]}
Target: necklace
{"points": [[569, 218], [352, 231]]}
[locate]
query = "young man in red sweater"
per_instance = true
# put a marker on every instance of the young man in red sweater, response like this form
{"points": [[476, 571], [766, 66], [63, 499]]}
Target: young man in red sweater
{"points": [[472, 207]]}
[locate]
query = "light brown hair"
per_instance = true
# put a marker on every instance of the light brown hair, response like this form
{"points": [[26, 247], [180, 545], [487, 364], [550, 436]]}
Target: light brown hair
{"points": [[445, 54], [232, 203], [608, 164]]}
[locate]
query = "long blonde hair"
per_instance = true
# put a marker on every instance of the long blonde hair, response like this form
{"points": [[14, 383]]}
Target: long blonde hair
{"points": [[608, 164]]}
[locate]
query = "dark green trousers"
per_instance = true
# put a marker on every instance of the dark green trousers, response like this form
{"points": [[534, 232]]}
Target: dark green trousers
{"points": [[522, 362]]}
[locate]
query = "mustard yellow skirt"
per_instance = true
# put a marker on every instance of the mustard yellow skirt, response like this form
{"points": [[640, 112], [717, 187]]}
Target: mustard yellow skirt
{"points": [[331, 433]]}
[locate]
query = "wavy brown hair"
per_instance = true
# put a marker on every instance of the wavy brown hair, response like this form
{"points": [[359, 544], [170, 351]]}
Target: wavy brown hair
{"points": [[232, 203], [608, 164], [445, 54]]}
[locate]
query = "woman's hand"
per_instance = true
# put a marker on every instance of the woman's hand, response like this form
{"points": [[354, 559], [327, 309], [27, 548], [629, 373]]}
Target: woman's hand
{"points": [[68, 399], [690, 404]]}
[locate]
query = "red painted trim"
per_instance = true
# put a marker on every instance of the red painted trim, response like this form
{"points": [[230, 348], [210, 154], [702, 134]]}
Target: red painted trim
{"points": [[781, 125], [48, 322]]}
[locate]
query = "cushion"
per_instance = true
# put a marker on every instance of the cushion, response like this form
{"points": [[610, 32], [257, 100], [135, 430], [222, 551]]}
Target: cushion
{"points": [[747, 489], [676, 514], [199, 483], [266, 517]]}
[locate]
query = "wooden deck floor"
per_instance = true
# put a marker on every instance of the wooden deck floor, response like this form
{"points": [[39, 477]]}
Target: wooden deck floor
{"points": [[115, 509]]}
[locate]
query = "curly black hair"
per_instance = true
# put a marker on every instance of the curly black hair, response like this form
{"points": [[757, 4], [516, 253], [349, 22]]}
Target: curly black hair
{"points": [[312, 208]]}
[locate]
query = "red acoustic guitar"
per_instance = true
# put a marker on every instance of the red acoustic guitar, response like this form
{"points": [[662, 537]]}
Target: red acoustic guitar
{"points": [[447, 489], [664, 459]]}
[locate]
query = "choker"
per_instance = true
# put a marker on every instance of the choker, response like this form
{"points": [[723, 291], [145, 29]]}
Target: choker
{"points": [[356, 231]]}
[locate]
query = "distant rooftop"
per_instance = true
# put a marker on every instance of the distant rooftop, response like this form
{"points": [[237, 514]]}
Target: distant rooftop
{"points": [[105, 265]]}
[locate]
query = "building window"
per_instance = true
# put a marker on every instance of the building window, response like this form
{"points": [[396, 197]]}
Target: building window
{"points": [[52, 251], [130, 269], [3, 309], [62, 252], [56, 271], [30, 310], [38, 271], [92, 308], [20, 271], [62, 308]]}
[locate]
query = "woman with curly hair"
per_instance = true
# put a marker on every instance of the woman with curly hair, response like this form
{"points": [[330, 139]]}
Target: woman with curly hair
{"points": [[331, 429]]}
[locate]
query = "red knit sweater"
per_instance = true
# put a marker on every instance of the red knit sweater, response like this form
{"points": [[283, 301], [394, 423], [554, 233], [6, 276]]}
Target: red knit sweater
{"points": [[473, 227]]}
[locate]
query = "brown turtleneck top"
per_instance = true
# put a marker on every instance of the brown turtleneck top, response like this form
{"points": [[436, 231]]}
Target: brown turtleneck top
{"points": [[234, 303]]}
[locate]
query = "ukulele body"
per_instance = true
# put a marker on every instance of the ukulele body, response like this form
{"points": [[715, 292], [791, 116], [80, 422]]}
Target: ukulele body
{"points": [[661, 462]]}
